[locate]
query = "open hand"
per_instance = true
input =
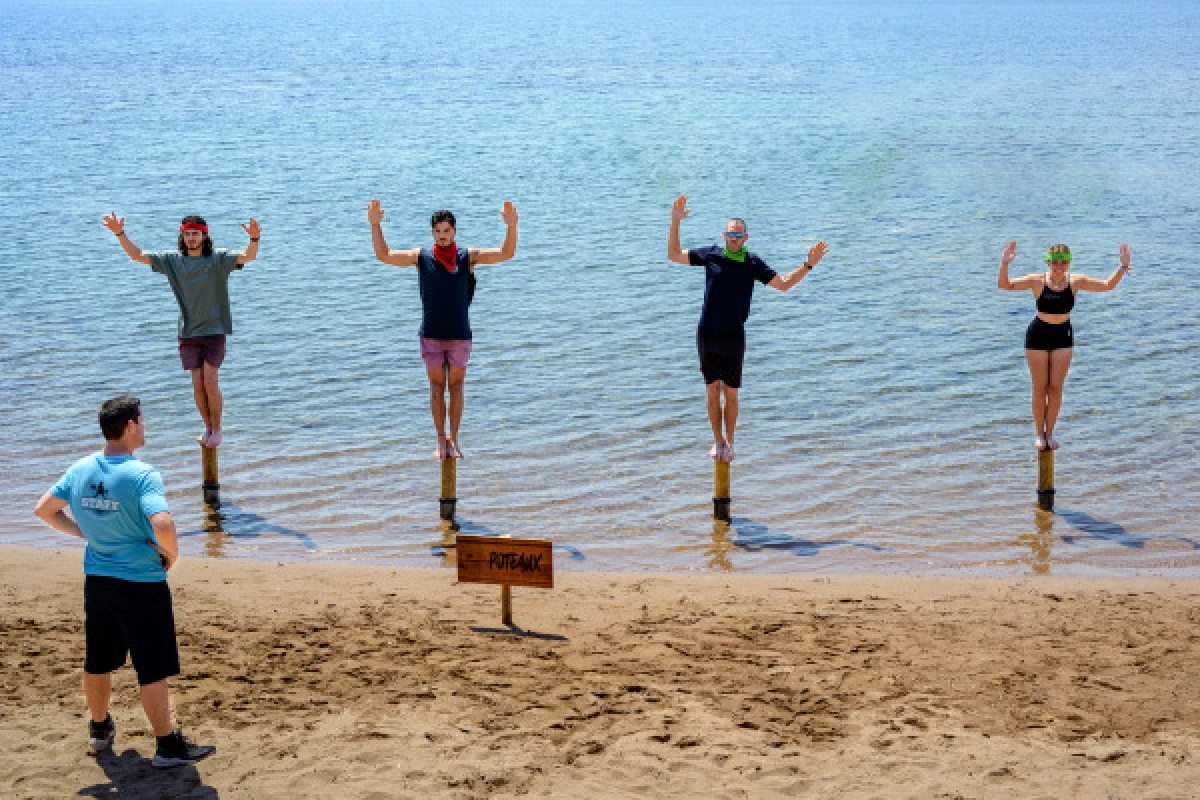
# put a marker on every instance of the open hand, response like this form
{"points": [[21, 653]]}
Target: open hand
{"points": [[374, 212], [1126, 256], [1010, 252], [816, 253], [679, 209], [252, 229], [508, 214], [114, 224]]}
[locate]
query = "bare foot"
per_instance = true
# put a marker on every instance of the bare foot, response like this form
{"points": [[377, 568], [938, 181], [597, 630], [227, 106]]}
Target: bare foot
{"points": [[202, 439], [441, 452], [1039, 442], [214, 438], [1051, 442], [728, 452], [452, 450], [718, 452]]}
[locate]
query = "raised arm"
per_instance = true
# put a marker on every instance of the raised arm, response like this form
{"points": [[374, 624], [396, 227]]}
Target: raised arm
{"points": [[509, 248], [117, 226], [1024, 282], [397, 258], [785, 282], [51, 510], [679, 212], [1085, 284], [251, 251]]}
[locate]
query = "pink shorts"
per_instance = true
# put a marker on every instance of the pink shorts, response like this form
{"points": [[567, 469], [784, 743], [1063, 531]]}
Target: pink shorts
{"points": [[440, 352]]}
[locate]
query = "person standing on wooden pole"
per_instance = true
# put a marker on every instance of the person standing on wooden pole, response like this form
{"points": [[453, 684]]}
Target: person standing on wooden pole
{"points": [[446, 280], [199, 277], [730, 272], [1049, 340]]}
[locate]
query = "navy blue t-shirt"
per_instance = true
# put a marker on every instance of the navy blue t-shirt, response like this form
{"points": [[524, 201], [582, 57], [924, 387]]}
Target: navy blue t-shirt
{"points": [[728, 287], [445, 296]]}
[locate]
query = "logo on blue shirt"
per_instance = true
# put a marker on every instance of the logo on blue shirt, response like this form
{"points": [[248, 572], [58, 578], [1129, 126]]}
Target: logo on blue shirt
{"points": [[99, 500]]}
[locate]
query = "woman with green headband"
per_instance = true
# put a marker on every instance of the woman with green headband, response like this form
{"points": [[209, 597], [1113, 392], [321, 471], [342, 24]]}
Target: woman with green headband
{"points": [[1049, 341]]}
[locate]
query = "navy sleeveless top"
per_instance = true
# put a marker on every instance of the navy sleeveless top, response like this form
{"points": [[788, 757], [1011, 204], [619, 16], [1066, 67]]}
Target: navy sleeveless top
{"points": [[445, 296], [1056, 301]]}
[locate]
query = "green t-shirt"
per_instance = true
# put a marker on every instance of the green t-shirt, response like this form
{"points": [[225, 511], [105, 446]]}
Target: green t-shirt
{"points": [[201, 285]]}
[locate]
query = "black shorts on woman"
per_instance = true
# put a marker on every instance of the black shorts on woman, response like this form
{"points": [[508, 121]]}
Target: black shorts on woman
{"points": [[1042, 335]]}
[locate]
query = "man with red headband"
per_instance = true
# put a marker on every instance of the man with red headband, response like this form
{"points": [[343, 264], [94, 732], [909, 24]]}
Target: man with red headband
{"points": [[199, 277], [446, 279]]}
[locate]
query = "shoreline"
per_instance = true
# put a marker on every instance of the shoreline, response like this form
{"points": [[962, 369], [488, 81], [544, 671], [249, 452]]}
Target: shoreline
{"points": [[370, 681]]}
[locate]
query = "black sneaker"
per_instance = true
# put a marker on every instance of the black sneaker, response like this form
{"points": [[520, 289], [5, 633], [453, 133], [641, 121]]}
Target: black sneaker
{"points": [[101, 734], [176, 751]]}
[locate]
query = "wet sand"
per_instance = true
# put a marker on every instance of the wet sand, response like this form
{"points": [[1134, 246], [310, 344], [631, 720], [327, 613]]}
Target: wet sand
{"points": [[367, 682]]}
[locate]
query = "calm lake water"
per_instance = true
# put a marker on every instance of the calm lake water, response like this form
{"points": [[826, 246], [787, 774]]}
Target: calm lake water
{"points": [[885, 416]]}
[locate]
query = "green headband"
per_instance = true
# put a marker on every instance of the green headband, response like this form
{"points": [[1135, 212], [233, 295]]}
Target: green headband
{"points": [[1058, 256]]}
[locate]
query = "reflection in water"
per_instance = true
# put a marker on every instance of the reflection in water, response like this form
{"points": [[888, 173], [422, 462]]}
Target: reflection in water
{"points": [[717, 554], [214, 526], [1040, 541], [445, 549]]}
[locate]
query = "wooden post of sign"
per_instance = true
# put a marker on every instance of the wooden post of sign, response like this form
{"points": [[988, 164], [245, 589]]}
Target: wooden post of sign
{"points": [[212, 487], [449, 498], [506, 597], [721, 491], [1045, 490]]}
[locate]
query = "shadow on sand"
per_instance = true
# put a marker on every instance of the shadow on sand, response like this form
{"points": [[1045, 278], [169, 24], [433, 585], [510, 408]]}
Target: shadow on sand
{"points": [[131, 777]]}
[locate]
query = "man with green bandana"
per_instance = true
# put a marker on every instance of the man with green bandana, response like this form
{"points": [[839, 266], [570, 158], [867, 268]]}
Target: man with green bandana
{"points": [[730, 272]]}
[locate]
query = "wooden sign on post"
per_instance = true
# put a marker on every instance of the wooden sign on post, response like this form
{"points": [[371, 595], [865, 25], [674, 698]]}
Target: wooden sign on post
{"points": [[507, 562]]}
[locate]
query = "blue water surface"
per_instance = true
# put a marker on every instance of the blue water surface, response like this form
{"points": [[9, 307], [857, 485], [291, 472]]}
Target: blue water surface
{"points": [[885, 421]]}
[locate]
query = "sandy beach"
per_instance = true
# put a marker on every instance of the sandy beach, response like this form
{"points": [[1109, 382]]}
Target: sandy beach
{"points": [[368, 682]]}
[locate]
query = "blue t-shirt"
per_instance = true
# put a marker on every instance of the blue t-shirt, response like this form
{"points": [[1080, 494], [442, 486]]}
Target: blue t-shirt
{"points": [[201, 287], [445, 296], [728, 287], [112, 499]]}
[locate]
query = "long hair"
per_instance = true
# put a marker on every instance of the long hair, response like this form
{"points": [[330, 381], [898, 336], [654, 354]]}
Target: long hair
{"points": [[207, 247]]}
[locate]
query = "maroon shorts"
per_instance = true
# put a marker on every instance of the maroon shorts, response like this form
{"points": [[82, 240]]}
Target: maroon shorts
{"points": [[196, 351]]}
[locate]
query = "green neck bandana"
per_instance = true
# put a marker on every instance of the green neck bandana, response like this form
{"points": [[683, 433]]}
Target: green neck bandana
{"points": [[740, 255]]}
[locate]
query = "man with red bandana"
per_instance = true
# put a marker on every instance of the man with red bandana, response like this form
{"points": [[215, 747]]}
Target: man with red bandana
{"points": [[199, 277], [446, 279]]}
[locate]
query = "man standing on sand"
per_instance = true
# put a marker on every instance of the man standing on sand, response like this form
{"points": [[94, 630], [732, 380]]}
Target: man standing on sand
{"points": [[730, 273], [118, 504], [199, 277], [446, 279]]}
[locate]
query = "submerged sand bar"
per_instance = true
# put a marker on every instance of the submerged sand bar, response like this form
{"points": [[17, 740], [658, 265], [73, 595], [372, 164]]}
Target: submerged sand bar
{"points": [[323, 681]]}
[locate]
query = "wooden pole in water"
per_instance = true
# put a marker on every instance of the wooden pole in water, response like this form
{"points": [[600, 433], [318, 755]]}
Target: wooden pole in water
{"points": [[212, 487], [1045, 490], [721, 491], [449, 498]]}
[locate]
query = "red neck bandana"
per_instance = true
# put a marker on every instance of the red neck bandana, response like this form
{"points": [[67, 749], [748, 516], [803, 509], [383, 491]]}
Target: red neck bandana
{"points": [[446, 256], [193, 226]]}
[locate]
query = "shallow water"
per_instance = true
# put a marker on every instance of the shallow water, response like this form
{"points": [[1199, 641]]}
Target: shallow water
{"points": [[885, 417]]}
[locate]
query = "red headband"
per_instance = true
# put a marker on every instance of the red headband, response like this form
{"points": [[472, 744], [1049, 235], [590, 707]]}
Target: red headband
{"points": [[193, 226]]}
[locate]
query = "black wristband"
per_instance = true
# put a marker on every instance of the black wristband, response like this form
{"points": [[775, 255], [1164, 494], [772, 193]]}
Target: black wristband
{"points": [[119, 235], [254, 238], [810, 266]]}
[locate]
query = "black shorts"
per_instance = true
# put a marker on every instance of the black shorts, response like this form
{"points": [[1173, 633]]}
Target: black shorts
{"points": [[721, 356], [129, 618], [1042, 335]]}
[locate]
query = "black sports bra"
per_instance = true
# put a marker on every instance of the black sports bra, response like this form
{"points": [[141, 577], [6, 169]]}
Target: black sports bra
{"points": [[1056, 301]]}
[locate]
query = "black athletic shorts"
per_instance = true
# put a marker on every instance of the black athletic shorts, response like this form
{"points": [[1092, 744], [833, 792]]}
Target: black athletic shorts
{"points": [[129, 618], [721, 356], [1041, 335]]}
